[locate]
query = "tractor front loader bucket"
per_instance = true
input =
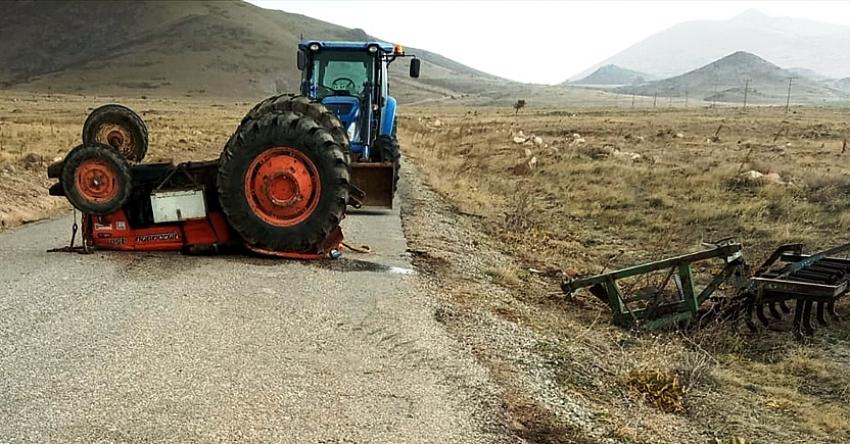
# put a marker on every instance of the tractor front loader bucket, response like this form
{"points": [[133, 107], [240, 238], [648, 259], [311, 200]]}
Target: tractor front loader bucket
{"points": [[376, 181]]}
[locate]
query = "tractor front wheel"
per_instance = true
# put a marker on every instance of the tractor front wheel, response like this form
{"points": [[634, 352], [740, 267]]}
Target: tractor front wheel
{"points": [[388, 150], [283, 182], [96, 179]]}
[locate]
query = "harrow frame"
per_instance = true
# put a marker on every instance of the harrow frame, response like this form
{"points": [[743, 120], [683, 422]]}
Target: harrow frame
{"points": [[813, 281], [656, 314]]}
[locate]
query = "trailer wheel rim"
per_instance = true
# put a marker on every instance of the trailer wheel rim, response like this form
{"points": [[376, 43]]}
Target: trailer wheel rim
{"points": [[117, 136], [282, 186], [97, 181]]}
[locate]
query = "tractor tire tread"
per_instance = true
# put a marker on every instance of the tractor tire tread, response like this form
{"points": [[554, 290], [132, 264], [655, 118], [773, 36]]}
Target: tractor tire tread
{"points": [[302, 105]]}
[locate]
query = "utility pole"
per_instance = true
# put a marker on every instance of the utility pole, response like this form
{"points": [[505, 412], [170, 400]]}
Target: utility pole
{"points": [[670, 103], [788, 100], [746, 90], [633, 99], [655, 99], [714, 97]]}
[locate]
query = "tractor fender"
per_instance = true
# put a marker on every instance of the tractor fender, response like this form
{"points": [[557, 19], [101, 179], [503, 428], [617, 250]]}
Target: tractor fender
{"points": [[388, 117]]}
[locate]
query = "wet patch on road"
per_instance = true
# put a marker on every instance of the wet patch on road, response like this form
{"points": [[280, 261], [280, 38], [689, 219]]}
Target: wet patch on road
{"points": [[356, 265]]}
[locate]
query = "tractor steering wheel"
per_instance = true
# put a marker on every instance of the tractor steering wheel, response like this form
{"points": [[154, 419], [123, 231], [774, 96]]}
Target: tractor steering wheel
{"points": [[343, 84]]}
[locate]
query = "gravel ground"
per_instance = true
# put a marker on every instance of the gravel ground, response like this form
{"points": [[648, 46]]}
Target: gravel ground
{"points": [[144, 347], [495, 321]]}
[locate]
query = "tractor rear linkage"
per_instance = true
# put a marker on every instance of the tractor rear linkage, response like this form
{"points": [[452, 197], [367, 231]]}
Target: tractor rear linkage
{"points": [[815, 280]]}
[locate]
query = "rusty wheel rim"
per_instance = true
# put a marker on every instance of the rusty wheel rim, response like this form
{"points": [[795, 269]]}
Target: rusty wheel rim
{"points": [[97, 181], [117, 136], [282, 186]]}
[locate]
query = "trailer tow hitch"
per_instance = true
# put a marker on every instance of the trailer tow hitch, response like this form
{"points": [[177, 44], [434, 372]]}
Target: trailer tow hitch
{"points": [[71, 248]]}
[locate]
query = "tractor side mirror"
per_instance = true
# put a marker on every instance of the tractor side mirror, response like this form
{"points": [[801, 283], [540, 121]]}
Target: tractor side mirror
{"points": [[302, 61], [414, 68]]}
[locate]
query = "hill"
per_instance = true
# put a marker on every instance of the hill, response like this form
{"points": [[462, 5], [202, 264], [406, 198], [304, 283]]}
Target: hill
{"points": [[613, 75], [839, 84], [728, 76], [807, 73], [822, 47], [231, 49]]}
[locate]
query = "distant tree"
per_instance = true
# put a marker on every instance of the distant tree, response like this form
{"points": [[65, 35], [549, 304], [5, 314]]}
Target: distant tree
{"points": [[520, 104]]}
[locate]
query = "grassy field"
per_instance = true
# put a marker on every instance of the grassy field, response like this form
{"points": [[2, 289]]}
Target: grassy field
{"points": [[588, 190], [601, 189]]}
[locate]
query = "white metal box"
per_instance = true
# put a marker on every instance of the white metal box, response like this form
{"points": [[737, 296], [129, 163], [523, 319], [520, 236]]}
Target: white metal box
{"points": [[176, 206]]}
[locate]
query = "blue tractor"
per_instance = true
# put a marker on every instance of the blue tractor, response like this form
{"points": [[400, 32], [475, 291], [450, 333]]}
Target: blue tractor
{"points": [[351, 80]]}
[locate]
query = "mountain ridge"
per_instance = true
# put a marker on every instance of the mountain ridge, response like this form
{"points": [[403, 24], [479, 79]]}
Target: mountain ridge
{"points": [[179, 47], [786, 41], [735, 75]]}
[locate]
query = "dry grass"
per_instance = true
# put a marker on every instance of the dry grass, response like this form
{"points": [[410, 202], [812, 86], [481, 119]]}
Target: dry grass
{"points": [[684, 190], [587, 202]]}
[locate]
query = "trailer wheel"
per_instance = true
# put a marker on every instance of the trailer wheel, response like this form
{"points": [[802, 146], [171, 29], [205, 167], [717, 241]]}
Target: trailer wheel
{"points": [[119, 127], [283, 182], [96, 179], [388, 150]]}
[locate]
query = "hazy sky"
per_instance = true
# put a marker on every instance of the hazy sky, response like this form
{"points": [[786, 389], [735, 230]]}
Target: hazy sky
{"points": [[534, 41]]}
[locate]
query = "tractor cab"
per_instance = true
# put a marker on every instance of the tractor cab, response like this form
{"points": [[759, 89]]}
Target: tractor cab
{"points": [[352, 80]]}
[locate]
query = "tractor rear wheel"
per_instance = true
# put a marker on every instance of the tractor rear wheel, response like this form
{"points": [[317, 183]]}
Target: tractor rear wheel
{"points": [[388, 150], [119, 127], [305, 106], [283, 182], [96, 179]]}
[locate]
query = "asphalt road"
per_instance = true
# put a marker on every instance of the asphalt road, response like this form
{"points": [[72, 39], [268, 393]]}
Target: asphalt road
{"points": [[150, 347]]}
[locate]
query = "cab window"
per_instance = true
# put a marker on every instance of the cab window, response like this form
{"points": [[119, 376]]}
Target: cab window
{"points": [[342, 73]]}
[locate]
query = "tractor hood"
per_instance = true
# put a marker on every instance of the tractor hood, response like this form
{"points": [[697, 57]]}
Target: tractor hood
{"points": [[346, 108]]}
